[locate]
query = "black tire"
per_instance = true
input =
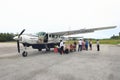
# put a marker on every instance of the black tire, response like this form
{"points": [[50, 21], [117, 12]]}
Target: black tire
{"points": [[39, 49], [24, 54]]}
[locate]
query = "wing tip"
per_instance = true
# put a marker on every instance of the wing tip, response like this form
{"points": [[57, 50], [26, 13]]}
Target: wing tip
{"points": [[113, 26]]}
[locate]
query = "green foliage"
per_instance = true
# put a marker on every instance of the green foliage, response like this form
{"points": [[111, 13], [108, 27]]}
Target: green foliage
{"points": [[115, 37], [6, 37], [107, 41], [102, 41]]}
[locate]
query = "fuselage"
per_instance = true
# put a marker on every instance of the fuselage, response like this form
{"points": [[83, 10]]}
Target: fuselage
{"points": [[38, 39]]}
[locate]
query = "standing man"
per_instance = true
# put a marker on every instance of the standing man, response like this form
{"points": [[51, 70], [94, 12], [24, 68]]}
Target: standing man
{"points": [[98, 45], [61, 47], [86, 44], [80, 45], [90, 44]]}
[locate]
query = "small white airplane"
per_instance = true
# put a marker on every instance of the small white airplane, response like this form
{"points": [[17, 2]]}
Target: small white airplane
{"points": [[46, 41]]}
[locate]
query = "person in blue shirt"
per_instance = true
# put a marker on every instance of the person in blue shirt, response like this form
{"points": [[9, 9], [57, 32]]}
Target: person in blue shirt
{"points": [[86, 44]]}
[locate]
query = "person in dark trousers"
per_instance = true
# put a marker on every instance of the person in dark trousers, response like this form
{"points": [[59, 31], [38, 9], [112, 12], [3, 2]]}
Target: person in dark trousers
{"points": [[75, 46], [98, 45], [86, 44], [61, 47], [90, 44], [80, 45]]}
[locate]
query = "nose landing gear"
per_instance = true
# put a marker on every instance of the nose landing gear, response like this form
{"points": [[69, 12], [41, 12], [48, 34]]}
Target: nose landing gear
{"points": [[24, 54]]}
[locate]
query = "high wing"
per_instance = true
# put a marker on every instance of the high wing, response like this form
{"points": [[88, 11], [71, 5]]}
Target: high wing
{"points": [[81, 31]]}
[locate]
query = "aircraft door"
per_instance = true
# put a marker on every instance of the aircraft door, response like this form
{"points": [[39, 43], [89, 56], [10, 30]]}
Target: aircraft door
{"points": [[46, 38]]}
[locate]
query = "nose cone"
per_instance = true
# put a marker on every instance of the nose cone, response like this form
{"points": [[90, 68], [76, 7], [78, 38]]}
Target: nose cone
{"points": [[15, 38]]}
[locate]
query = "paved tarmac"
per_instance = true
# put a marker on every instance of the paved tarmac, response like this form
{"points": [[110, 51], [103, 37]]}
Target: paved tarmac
{"points": [[84, 65]]}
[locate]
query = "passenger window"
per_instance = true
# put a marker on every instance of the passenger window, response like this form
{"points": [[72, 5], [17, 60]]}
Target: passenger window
{"points": [[56, 36], [53, 36], [49, 35]]}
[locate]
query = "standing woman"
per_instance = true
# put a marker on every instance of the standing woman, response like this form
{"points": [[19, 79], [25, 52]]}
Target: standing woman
{"points": [[98, 45]]}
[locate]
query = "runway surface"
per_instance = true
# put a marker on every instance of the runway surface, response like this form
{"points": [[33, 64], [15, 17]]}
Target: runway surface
{"points": [[84, 65]]}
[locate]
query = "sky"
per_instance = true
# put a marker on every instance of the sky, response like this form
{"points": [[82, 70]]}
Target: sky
{"points": [[60, 15]]}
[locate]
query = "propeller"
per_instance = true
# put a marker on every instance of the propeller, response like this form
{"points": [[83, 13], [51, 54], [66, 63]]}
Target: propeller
{"points": [[21, 33], [18, 43]]}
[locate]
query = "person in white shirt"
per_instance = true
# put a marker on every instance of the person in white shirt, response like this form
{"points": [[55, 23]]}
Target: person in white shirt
{"points": [[98, 45], [80, 45], [90, 44], [61, 47]]}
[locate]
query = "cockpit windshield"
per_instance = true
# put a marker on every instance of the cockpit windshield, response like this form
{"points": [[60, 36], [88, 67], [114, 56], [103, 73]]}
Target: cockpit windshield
{"points": [[41, 33]]}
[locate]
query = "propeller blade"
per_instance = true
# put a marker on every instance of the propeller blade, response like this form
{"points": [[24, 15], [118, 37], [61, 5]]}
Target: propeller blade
{"points": [[21, 32], [18, 46]]}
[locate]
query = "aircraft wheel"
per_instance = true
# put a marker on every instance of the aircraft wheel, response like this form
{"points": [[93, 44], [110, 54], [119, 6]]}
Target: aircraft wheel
{"points": [[24, 54], [39, 49]]}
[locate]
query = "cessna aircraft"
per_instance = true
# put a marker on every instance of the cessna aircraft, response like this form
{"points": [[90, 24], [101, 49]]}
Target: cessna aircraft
{"points": [[46, 41]]}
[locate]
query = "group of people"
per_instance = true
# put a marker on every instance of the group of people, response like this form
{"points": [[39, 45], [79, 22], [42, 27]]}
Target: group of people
{"points": [[67, 48], [82, 45]]}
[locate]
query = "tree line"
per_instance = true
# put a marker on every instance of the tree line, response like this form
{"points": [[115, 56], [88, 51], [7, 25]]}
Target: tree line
{"points": [[115, 37], [4, 37]]}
